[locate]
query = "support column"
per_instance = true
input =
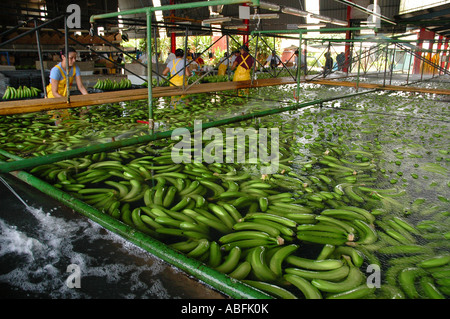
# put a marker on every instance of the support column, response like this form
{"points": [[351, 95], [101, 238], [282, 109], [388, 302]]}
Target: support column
{"points": [[246, 22], [173, 37], [445, 63], [423, 35], [348, 36]]}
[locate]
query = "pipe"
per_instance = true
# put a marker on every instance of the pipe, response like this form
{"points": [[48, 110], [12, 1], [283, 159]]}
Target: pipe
{"points": [[66, 44], [151, 122], [105, 147], [41, 63], [232, 288], [315, 30]]}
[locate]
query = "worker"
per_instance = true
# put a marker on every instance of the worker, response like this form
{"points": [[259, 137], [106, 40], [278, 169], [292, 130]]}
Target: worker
{"points": [[192, 66], [302, 61], [340, 59], [178, 71], [143, 58], [58, 82], [234, 56], [273, 60], [328, 64], [199, 59], [242, 65], [177, 68], [170, 57], [223, 64]]}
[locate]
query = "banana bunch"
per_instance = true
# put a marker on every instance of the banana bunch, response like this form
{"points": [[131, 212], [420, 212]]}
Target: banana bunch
{"points": [[22, 92], [108, 85]]}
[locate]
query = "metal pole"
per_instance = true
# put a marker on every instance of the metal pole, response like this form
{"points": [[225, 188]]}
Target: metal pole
{"points": [[184, 58], [359, 66], [66, 41], [229, 59], [156, 54], [385, 65], [423, 67], [298, 68], [256, 52], [306, 57], [409, 68], [151, 122], [41, 63], [392, 65]]}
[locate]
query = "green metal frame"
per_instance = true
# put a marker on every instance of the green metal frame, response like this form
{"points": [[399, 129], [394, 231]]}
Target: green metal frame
{"points": [[300, 33]]}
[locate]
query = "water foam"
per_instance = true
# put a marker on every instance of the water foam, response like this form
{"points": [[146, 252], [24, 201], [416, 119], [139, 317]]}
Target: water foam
{"points": [[44, 256]]}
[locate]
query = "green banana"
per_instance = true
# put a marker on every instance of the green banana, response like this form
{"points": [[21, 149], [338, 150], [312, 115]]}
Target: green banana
{"points": [[231, 261], [170, 196], [241, 271], [200, 249], [215, 255], [217, 225], [277, 259], [354, 278], [311, 264], [307, 289], [326, 251], [251, 243], [222, 214], [242, 235], [271, 217], [259, 266], [271, 231], [407, 278], [430, 289], [333, 274], [271, 289], [358, 292], [138, 223], [435, 261], [356, 256]]}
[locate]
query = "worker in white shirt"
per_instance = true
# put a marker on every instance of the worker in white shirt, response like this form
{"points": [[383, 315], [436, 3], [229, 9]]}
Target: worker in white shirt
{"points": [[170, 57], [273, 60]]}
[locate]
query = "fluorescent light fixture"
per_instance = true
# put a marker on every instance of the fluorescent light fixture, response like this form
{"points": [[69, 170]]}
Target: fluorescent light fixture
{"points": [[269, 6], [295, 12], [313, 25], [339, 22], [266, 16], [216, 20], [235, 27], [321, 18]]}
